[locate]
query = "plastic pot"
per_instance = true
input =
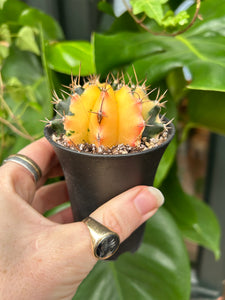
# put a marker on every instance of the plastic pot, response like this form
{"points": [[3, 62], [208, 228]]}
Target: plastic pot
{"points": [[93, 179]]}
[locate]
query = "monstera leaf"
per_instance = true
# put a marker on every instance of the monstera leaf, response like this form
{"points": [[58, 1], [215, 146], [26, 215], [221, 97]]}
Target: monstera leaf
{"points": [[195, 219]]}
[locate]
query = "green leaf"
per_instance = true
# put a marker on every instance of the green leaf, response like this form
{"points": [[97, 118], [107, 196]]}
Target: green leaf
{"points": [[200, 50], [11, 11], [34, 18], [66, 57], [159, 270], [106, 8], [177, 84], [26, 40], [165, 163], [207, 109], [23, 65], [27, 95], [2, 2], [126, 22], [171, 20], [152, 8], [4, 51], [56, 209], [124, 48], [194, 218], [207, 230], [5, 41], [5, 34]]}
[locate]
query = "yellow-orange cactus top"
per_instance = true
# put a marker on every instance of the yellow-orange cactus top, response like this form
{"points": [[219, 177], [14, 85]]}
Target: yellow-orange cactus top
{"points": [[107, 117]]}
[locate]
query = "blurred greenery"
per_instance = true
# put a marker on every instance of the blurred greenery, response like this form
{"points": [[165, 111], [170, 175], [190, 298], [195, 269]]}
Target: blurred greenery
{"points": [[182, 52]]}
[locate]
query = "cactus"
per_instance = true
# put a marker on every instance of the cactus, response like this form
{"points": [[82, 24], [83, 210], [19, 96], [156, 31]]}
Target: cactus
{"points": [[108, 114]]}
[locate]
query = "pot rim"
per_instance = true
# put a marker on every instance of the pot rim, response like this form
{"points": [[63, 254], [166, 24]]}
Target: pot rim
{"points": [[48, 131]]}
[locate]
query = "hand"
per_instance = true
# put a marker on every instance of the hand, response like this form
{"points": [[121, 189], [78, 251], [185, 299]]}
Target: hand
{"points": [[47, 258]]}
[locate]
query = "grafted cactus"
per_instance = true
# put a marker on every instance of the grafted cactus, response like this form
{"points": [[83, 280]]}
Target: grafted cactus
{"points": [[107, 114]]}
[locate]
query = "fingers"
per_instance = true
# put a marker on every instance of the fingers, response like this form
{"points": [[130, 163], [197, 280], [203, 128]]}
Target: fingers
{"points": [[66, 249], [43, 154], [63, 217], [50, 196], [128, 211], [123, 214]]}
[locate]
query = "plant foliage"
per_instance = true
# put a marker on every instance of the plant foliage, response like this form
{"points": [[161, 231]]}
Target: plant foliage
{"points": [[180, 50]]}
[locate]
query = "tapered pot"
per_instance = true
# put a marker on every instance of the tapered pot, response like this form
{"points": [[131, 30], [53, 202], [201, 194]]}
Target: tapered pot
{"points": [[93, 179]]}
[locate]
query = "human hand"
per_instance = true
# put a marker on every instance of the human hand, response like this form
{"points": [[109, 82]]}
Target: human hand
{"points": [[47, 258]]}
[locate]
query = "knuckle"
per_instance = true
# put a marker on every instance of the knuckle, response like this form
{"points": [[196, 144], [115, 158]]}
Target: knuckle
{"points": [[113, 222]]}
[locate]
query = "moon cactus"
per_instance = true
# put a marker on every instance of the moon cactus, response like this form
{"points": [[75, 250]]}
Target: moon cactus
{"points": [[108, 114]]}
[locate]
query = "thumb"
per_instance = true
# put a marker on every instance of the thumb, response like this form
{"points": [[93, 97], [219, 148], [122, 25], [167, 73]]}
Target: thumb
{"points": [[123, 214], [126, 212]]}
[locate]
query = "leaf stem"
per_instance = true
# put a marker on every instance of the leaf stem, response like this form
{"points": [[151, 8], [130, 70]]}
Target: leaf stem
{"points": [[16, 130], [198, 4], [5, 122], [44, 62], [141, 24]]}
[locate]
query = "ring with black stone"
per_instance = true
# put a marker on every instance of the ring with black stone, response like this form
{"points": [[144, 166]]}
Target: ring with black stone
{"points": [[104, 241]]}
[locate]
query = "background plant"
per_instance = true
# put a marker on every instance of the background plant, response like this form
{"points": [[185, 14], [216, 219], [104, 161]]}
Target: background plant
{"points": [[182, 52]]}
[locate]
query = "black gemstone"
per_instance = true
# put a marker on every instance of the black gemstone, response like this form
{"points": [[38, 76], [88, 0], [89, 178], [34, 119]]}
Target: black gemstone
{"points": [[107, 246]]}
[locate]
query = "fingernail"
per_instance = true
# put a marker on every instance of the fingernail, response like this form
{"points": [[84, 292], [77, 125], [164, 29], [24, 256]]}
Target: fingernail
{"points": [[148, 199], [158, 195]]}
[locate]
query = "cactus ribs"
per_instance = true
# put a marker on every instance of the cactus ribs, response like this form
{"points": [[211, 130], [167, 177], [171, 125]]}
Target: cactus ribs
{"points": [[109, 117]]}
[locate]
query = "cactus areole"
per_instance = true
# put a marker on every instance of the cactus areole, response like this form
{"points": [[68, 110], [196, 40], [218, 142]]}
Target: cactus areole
{"points": [[108, 114]]}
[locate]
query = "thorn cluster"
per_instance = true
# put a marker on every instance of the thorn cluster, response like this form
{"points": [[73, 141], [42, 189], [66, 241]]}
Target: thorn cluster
{"points": [[109, 113]]}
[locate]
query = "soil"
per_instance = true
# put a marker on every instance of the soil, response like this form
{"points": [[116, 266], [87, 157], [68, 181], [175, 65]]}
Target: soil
{"points": [[146, 143]]}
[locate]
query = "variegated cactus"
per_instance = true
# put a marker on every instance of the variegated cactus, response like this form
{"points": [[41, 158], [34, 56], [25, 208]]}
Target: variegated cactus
{"points": [[107, 114]]}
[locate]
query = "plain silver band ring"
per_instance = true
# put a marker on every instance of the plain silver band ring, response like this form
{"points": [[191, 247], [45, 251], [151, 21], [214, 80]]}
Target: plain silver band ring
{"points": [[27, 163], [105, 242]]}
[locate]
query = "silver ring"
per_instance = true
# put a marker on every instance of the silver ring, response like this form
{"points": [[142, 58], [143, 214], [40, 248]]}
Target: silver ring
{"points": [[104, 241], [27, 163]]}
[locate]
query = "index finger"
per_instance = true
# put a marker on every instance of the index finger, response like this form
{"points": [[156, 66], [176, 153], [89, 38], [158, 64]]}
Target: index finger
{"points": [[42, 153]]}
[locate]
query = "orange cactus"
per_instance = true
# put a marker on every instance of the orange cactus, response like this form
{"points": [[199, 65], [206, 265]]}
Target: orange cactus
{"points": [[130, 121], [108, 115]]}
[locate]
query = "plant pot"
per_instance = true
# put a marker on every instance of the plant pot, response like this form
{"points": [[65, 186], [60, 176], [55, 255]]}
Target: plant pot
{"points": [[93, 179]]}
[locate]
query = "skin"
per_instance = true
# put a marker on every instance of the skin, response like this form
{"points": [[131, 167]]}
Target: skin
{"points": [[47, 258]]}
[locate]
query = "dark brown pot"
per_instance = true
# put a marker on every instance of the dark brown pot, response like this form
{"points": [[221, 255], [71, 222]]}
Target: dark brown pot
{"points": [[93, 179]]}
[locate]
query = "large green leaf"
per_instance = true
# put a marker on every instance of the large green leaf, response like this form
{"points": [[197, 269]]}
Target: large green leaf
{"points": [[194, 218], [201, 50], [35, 18], [207, 109], [66, 57], [159, 270]]}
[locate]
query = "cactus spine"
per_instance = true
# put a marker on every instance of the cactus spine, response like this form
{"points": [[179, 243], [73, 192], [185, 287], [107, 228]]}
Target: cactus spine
{"points": [[107, 114]]}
